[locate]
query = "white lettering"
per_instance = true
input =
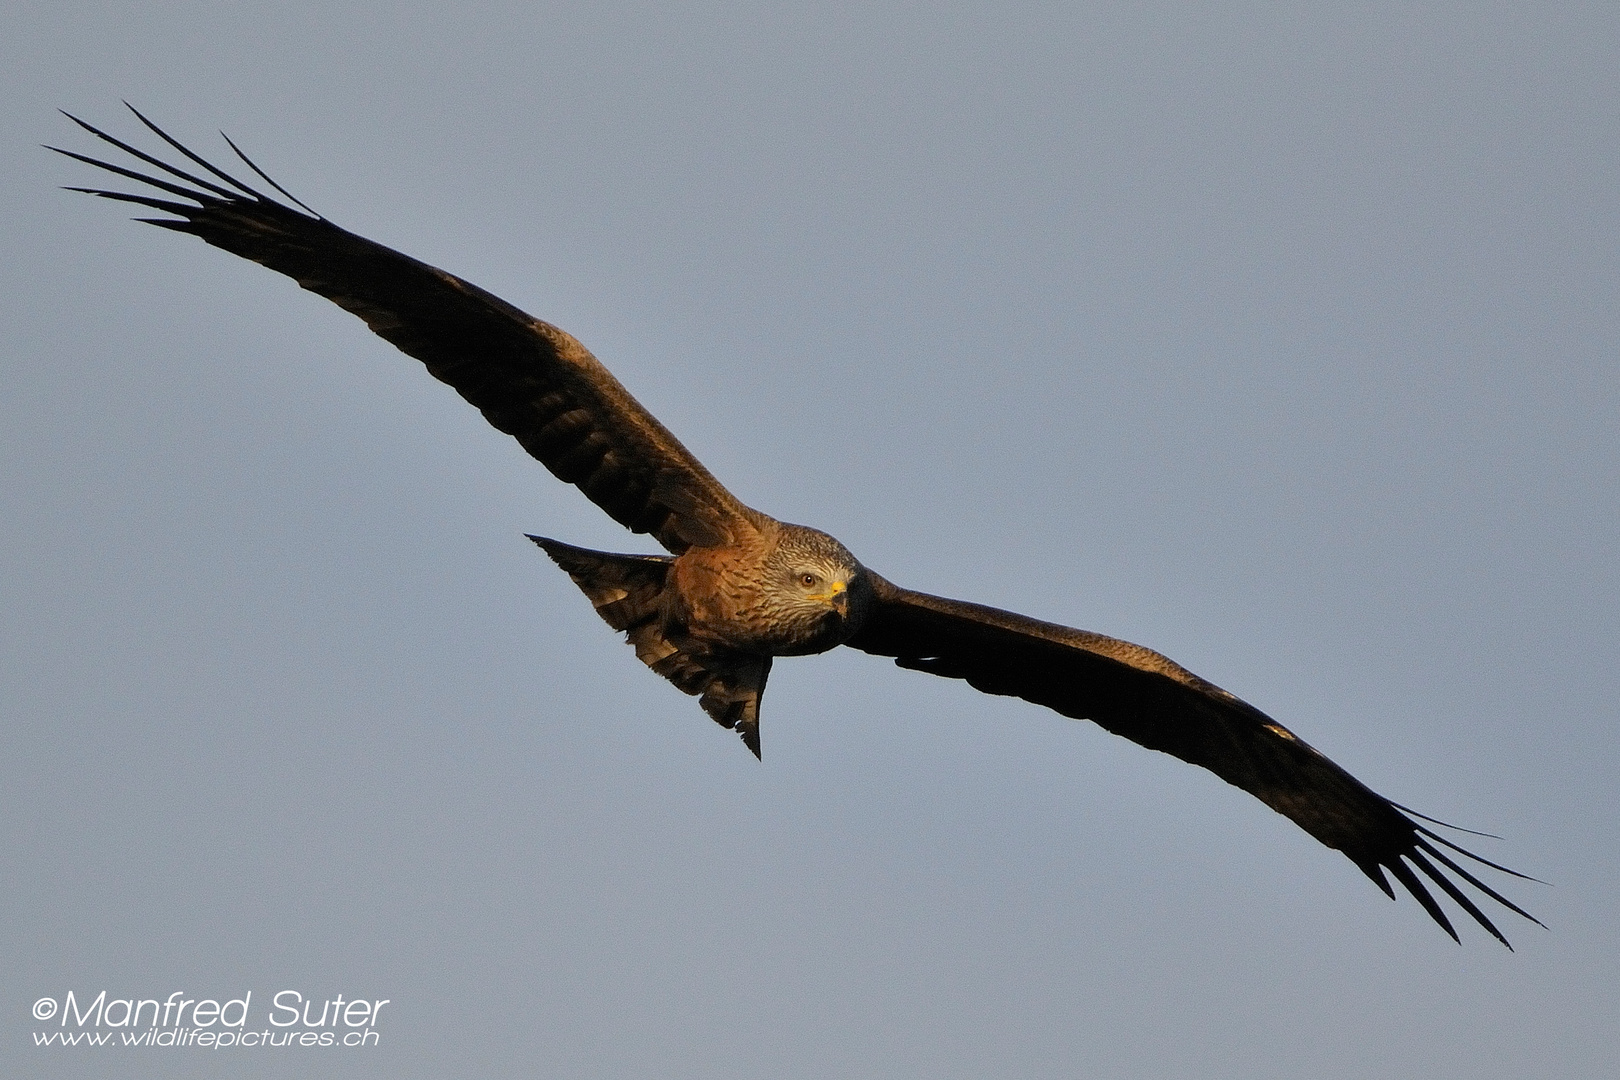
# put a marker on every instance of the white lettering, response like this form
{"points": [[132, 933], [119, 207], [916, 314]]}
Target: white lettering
{"points": [[79, 1018], [293, 1008], [241, 1020]]}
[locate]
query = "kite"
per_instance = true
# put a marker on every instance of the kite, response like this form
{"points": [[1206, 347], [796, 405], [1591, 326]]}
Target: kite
{"points": [[739, 588]]}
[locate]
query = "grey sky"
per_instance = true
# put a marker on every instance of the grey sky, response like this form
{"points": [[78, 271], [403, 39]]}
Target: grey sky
{"points": [[1279, 338]]}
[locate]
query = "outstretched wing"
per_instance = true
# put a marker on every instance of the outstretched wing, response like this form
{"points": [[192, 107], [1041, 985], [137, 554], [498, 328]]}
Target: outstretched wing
{"points": [[530, 379], [1153, 701]]}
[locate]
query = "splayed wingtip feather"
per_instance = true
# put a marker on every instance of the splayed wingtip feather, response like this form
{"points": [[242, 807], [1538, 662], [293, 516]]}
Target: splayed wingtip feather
{"points": [[1404, 875]]}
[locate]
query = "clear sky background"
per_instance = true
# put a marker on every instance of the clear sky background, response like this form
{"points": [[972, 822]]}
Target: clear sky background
{"points": [[1278, 337]]}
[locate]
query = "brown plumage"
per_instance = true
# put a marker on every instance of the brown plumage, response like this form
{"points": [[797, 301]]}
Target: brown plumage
{"points": [[739, 587]]}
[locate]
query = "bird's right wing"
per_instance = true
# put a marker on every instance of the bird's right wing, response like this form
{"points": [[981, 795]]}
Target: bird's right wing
{"points": [[530, 379], [1153, 701]]}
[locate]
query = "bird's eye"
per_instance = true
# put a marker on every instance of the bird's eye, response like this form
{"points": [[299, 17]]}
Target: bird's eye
{"points": [[807, 580]]}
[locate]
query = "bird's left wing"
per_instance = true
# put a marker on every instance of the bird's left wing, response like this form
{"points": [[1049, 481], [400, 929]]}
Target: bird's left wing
{"points": [[529, 378], [1155, 702]]}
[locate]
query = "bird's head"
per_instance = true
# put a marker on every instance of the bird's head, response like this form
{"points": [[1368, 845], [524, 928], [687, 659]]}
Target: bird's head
{"points": [[816, 588]]}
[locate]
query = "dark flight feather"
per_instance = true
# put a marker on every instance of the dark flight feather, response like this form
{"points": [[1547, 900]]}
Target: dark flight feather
{"points": [[538, 384]]}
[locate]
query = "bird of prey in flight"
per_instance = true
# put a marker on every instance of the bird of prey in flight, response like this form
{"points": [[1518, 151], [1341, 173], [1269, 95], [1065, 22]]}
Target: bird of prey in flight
{"points": [[738, 587]]}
